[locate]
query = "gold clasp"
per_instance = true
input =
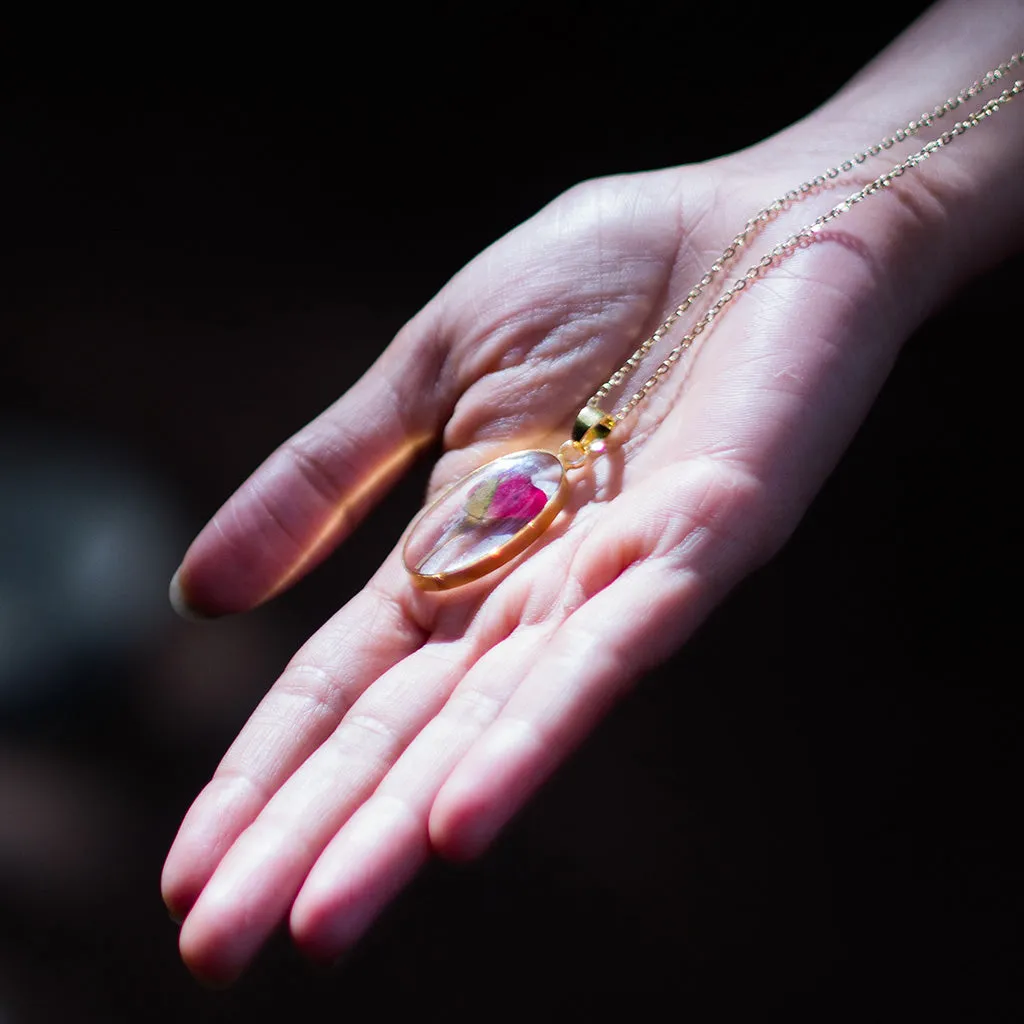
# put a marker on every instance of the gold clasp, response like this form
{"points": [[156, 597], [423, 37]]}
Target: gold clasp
{"points": [[592, 426]]}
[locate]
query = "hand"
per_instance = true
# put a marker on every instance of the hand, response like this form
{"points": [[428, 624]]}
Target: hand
{"points": [[414, 723]]}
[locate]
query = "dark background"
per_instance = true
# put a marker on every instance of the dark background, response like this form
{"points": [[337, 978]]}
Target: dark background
{"points": [[209, 230]]}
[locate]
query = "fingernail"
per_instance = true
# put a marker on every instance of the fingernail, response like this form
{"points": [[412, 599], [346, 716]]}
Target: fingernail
{"points": [[180, 604]]}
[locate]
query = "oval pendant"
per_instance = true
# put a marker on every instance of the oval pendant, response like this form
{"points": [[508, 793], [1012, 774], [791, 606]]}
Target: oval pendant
{"points": [[485, 519]]}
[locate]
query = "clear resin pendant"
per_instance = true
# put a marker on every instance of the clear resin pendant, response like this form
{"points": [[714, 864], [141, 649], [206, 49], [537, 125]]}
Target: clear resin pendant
{"points": [[485, 519]]}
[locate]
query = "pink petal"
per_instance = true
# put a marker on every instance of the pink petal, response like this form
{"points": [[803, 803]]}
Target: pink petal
{"points": [[517, 498]]}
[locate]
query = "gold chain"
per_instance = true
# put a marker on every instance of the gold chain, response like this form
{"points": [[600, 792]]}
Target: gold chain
{"points": [[806, 233], [466, 533]]}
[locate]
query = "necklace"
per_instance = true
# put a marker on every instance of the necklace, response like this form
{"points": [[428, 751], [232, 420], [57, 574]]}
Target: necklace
{"points": [[497, 511]]}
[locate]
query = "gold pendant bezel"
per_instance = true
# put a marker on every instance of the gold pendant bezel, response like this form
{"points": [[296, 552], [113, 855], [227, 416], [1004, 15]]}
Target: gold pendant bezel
{"points": [[504, 552]]}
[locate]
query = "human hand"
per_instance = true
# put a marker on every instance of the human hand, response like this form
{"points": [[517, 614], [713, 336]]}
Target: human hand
{"points": [[414, 722]]}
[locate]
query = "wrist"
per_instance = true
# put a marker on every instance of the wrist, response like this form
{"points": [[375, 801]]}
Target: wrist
{"points": [[954, 212]]}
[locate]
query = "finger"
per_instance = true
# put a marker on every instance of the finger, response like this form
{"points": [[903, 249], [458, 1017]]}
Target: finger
{"points": [[258, 877], [569, 689], [311, 492], [386, 840], [319, 685]]}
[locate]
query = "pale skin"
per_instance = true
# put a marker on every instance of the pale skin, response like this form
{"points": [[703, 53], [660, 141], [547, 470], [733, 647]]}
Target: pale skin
{"points": [[416, 724]]}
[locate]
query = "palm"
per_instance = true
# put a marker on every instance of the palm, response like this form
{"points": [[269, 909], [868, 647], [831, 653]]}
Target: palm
{"points": [[412, 721]]}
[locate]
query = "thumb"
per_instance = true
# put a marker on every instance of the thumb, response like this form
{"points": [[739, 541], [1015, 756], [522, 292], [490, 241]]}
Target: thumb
{"points": [[318, 485]]}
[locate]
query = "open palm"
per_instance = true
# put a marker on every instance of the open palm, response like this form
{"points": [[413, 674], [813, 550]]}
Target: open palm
{"points": [[419, 722]]}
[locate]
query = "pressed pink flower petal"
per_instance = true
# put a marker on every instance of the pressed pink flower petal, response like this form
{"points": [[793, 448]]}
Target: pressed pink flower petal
{"points": [[516, 498]]}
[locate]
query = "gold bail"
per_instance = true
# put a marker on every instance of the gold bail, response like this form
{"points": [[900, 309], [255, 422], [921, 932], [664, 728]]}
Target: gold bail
{"points": [[592, 426]]}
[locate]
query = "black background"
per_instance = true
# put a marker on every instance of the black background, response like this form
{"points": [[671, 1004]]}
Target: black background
{"points": [[209, 231]]}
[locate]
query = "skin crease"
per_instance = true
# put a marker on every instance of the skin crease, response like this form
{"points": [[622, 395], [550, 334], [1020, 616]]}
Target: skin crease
{"points": [[365, 759]]}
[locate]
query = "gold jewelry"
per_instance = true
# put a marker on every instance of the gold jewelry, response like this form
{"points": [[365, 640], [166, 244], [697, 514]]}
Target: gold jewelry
{"points": [[487, 518]]}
